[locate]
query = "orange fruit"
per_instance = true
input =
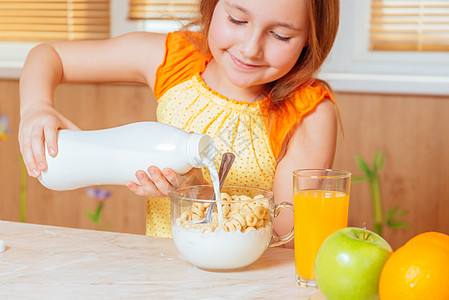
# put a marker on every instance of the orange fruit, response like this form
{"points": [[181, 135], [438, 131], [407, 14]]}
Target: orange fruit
{"points": [[417, 270]]}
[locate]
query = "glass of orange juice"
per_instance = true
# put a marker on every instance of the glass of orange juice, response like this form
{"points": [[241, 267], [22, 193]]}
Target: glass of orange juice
{"points": [[321, 203]]}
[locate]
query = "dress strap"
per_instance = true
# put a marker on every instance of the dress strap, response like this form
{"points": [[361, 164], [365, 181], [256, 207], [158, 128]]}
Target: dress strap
{"points": [[182, 60]]}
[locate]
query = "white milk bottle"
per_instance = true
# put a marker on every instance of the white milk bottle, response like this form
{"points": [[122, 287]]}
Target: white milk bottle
{"points": [[112, 156]]}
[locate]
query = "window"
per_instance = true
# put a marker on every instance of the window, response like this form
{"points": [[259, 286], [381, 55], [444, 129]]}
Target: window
{"points": [[161, 16], [353, 66], [411, 25], [51, 20], [13, 54], [162, 10], [23, 24]]}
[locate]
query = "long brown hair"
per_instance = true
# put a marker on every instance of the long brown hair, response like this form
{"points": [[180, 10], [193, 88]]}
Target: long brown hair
{"points": [[324, 19]]}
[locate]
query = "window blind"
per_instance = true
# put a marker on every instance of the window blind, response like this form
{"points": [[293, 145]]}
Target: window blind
{"points": [[162, 10], [409, 25], [51, 20]]}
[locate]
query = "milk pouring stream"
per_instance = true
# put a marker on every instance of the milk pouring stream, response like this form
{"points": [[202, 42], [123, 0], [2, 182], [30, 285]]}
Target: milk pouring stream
{"points": [[112, 156]]}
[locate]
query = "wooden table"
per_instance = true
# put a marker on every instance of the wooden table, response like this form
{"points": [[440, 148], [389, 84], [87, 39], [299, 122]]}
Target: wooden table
{"points": [[47, 262]]}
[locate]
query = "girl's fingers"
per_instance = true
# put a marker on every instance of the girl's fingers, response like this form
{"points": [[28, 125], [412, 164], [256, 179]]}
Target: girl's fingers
{"points": [[71, 125], [50, 133], [163, 185], [193, 177], [148, 186], [27, 153], [137, 189], [173, 178], [28, 159], [37, 146], [160, 184]]}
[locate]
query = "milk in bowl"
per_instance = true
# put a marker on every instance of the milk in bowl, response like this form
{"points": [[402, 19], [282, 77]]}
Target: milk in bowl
{"points": [[237, 235]]}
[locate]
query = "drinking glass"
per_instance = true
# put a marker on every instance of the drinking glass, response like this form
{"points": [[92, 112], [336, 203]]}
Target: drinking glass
{"points": [[321, 202]]}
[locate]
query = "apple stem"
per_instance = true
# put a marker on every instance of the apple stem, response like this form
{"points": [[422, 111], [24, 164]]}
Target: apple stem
{"points": [[364, 230]]}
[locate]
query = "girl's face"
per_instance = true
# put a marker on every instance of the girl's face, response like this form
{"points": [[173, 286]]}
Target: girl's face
{"points": [[257, 41]]}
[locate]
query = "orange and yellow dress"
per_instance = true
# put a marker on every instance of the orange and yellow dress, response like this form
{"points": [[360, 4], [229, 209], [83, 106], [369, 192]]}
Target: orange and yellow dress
{"points": [[185, 101]]}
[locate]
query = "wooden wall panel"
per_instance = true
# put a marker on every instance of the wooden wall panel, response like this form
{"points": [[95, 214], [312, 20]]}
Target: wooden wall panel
{"points": [[10, 159], [90, 106], [413, 131]]}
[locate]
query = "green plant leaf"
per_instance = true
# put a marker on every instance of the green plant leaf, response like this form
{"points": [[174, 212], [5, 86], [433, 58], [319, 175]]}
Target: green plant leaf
{"points": [[89, 214], [359, 178], [98, 211], [92, 216], [400, 214], [398, 225], [390, 212], [363, 166], [392, 215], [379, 161]]}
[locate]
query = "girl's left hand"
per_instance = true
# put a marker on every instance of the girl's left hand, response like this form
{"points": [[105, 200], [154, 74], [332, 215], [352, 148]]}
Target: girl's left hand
{"points": [[163, 182]]}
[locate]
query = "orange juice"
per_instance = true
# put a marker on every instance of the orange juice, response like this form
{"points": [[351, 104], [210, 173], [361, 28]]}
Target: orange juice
{"points": [[318, 213]]}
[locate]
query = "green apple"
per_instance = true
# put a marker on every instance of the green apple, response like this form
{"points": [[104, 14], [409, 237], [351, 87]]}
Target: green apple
{"points": [[349, 263]]}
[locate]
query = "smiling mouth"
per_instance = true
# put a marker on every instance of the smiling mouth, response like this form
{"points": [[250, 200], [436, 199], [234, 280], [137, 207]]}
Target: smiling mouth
{"points": [[242, 65]]}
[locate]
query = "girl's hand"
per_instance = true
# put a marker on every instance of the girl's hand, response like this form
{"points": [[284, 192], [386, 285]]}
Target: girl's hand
{"points": [[38, 126], [163, 182]]}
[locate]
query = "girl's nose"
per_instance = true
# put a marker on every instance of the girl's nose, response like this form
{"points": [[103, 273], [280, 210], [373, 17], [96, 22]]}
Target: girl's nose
{"points": [[251, 45]]}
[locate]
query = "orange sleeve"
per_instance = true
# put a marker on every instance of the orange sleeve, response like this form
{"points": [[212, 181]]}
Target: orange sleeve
{"points": [[181, 61], [281, 119]]}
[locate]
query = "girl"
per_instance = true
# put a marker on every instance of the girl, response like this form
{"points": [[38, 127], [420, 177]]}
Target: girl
{"points": [[247, 79]]}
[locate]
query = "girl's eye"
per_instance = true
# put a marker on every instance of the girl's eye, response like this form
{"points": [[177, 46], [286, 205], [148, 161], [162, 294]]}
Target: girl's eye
{"points": [[235, 21], [281, 38]]}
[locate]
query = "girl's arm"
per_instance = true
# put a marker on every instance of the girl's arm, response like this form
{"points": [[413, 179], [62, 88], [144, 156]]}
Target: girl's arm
{"points": [[312, 145], [129, 58]]}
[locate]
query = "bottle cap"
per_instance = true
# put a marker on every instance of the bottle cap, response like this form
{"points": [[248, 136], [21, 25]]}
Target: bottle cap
{"points": [[2, 246], [200, 146]]}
